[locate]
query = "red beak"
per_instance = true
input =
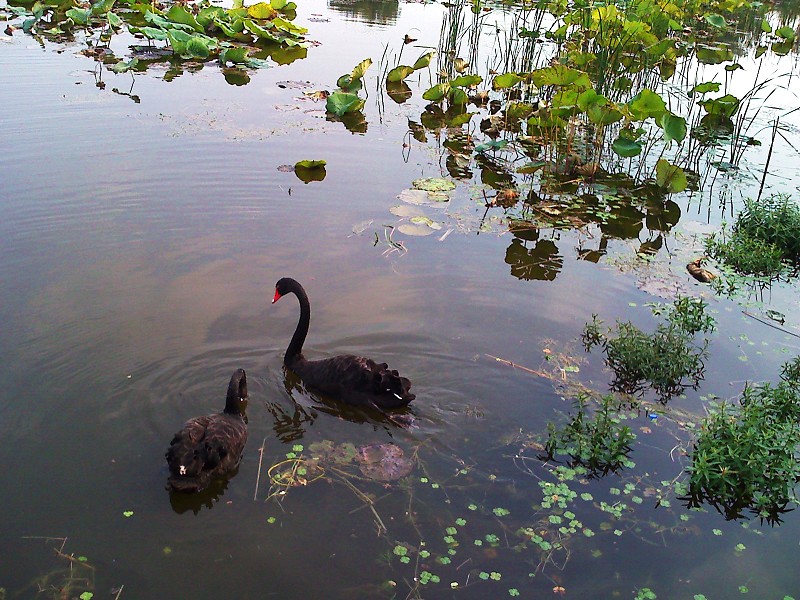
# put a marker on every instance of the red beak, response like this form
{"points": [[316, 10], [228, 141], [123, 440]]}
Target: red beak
{"points": [[277, 297]]}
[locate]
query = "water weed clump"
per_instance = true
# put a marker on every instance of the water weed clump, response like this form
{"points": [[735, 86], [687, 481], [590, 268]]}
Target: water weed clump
{"points": [[746, 454], [764, 239], [600, 443], [667, 360]]}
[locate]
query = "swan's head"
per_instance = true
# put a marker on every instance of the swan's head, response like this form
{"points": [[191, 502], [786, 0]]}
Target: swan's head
{"points": [[286, 285]]}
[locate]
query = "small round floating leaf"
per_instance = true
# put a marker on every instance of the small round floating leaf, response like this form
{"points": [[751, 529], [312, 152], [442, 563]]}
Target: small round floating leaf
{"points": [[715, 20], [786, 33]]}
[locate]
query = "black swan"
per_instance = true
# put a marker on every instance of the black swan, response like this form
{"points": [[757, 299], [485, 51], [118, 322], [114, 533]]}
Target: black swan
{"points": [[352, 379], [210, 446]]}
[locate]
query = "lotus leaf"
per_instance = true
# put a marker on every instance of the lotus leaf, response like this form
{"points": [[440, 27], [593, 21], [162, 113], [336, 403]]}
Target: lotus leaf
{"points": [[437, 93], [674, 127], [647, 104], [79, 15], [466, 81], [424, 60], [101, 7], [262, 10], [178, 14], [726, 106], [563, 76], [423, 220], [234, 54], [458, 96], [259, 31], [506, 80], [433, 184], [309, 174], [459, 120], [339, 103], [399, 73], [670, 177], [717, 21], [626, 147], [415, 230], [289, 27], [310, 164]]}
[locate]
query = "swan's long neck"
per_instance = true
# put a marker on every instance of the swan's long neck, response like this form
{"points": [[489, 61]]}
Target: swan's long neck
{"points": [[237, 391], [295, 349]]}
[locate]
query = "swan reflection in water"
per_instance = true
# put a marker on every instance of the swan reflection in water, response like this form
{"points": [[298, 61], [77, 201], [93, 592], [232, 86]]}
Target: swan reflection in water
{"points": [[290, 424]]}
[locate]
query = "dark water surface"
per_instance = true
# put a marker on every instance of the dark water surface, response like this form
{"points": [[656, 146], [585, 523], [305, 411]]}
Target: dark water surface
{"points": [[140, 244]]}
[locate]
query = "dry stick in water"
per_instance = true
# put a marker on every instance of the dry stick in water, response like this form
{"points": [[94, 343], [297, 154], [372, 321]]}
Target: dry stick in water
{"points": [[260, 459], [516, 366]]}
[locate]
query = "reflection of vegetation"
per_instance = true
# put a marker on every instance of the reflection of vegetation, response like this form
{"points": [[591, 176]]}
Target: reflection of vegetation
{"points": [[765, 236], [74, 578], [746, 454], [600, 443], [667, 360], [239, 36]]}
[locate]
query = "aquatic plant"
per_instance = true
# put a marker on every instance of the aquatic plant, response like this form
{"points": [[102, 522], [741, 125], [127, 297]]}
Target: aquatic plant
{"points": [[745, 457], [667, 360], [194, 32], [764, 239], [600, 443]]}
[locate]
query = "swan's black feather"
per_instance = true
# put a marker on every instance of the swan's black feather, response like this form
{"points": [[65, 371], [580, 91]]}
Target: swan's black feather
{"points": [[209, 446], [351, 379]]}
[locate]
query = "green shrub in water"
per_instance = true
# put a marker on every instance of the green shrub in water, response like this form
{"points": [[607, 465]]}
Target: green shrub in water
{"points": [[746, 455], [763, 240], [667, 360], [600, 443]]}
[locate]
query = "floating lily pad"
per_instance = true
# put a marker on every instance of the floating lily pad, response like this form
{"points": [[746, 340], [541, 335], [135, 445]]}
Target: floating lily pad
{"points": [[433, 184], [404, 210], [423, 220], [413, 229], [414, 196], [383, 462]]}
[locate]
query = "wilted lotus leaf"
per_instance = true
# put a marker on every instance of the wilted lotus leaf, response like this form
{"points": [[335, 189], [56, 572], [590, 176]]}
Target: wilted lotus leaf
{"points": [[383, 462]]}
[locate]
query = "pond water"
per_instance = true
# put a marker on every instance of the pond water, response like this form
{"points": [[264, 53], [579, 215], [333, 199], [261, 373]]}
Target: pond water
{"points": [[144, 225]]}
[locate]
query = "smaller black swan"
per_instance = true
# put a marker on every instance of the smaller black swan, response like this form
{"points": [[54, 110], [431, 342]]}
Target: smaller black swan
{"points": [[210, 446], [352, 379]]}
